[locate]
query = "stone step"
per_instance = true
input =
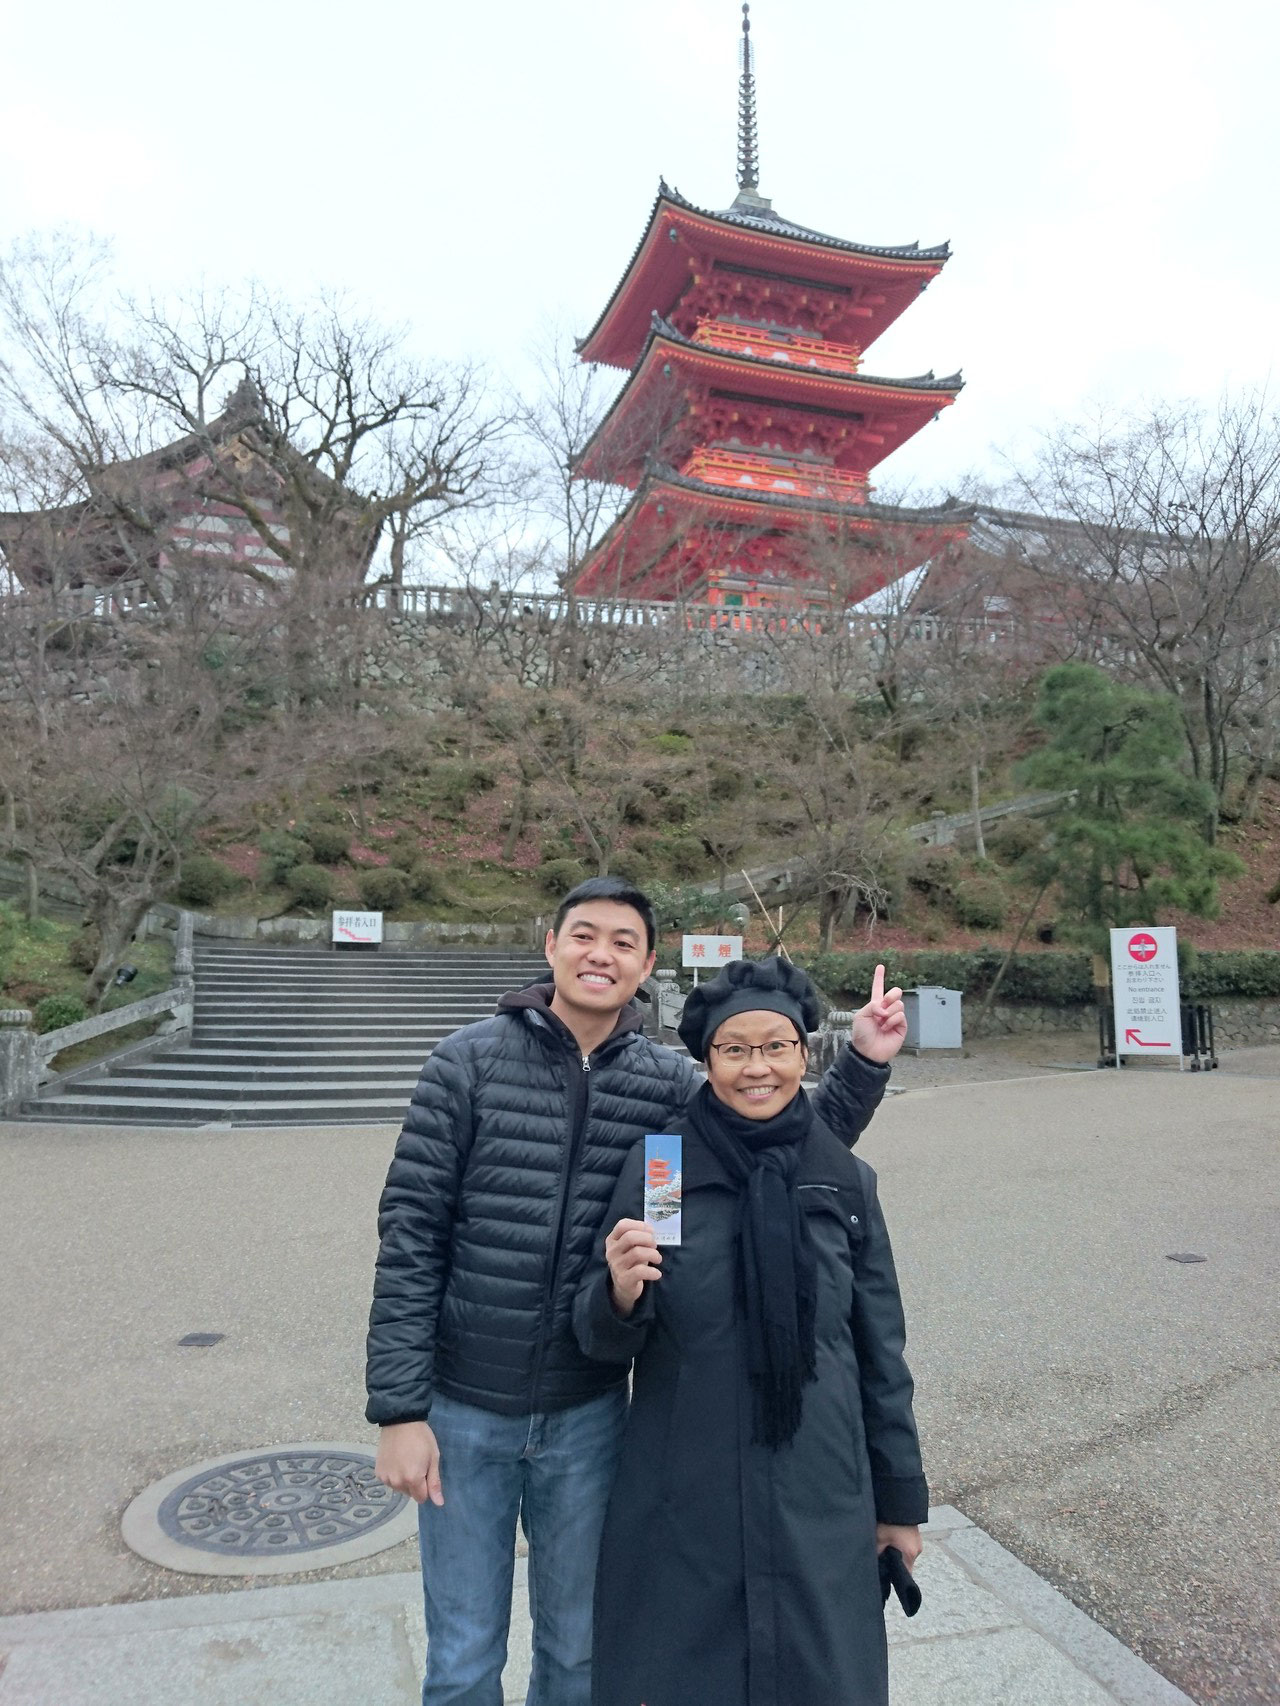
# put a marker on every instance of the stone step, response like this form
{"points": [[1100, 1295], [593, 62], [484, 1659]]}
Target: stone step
{"points": [[315, 1071], [295, 1057], [357, 1005], [285, 1035], [86, 1105], [213, 1095]]}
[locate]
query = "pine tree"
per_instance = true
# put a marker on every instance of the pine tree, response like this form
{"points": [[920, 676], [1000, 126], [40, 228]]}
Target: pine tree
{"points": [[1128, 843]]}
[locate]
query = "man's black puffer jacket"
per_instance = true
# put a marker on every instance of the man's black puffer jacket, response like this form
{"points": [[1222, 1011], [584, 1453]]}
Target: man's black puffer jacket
{"points": [[502, 1173]]}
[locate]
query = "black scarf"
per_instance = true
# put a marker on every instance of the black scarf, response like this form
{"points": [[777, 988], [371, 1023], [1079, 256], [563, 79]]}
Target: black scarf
{"points": [[777, 1267]]}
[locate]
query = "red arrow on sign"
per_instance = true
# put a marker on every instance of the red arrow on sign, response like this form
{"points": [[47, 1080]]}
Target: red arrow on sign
{"points": [[1133, 1037]]}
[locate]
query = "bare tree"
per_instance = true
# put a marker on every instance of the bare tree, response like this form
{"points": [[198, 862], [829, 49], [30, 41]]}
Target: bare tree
{"points": [[1169, 569], [313, 422]]}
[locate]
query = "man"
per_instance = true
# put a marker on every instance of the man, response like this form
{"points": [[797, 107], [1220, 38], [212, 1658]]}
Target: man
{"points": [[501, 1177]]}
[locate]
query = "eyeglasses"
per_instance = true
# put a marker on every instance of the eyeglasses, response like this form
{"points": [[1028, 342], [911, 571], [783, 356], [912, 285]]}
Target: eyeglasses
{"points": [[736, 1053]]}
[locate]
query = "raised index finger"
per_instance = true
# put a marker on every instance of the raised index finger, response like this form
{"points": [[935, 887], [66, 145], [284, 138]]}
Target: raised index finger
{"points": [[877, 984]]}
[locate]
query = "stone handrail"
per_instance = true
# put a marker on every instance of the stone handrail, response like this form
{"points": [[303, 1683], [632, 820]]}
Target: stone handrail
{"points": [[25, 1057], [502, 608], [177, 1001]]}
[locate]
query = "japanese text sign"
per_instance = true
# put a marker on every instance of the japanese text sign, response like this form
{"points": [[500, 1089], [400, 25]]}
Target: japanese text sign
{"points": [[1144, 987], [711, 950]]}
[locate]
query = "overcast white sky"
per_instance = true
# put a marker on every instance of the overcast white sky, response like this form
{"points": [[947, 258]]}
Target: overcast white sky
{"points": [[1106, 170]]}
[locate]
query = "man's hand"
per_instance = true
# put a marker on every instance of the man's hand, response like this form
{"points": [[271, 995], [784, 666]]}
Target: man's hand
{"points": [[880, 1027], [632, 1253], [906, 1539], [409, 1461]]}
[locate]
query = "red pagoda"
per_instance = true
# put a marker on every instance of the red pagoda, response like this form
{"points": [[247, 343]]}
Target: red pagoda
{"points": [[747, 429]]}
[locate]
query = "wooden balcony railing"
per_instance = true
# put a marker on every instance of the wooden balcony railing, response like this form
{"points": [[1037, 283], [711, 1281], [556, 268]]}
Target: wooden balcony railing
{"points": [[768, 345], [765, 474]]}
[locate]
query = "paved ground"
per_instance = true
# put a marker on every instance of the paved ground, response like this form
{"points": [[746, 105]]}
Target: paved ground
{"points": [[990, 1633], [1108, 1415]]}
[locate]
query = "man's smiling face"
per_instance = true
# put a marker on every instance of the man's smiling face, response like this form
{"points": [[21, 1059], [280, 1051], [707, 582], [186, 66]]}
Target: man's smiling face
{"points": [[600, 956]]}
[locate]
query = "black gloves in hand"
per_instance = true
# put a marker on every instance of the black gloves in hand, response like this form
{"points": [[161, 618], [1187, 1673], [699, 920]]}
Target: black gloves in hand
{"points": [[895, 1574]]}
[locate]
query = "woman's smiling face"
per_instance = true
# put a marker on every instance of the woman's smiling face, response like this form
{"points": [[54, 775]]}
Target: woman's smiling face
{"points": [[755, 1063]]}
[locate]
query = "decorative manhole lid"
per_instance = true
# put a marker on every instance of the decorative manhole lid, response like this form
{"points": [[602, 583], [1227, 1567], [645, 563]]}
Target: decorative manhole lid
{"points": [[287, 1507]]}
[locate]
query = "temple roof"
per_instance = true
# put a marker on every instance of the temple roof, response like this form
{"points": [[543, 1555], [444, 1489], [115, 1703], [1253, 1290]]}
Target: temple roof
{"points": [[634, 435], [956, 514], [658, 272], [648, 536], [762, 217]]}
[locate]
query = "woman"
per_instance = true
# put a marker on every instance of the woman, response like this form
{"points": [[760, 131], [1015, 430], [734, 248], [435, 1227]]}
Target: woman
{"points": [[770, 1453]]}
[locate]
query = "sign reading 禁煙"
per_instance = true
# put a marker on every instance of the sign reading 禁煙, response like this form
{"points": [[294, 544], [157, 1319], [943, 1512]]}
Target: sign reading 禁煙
{"points": [[703, 951], [357, 929], [1144, 989]]}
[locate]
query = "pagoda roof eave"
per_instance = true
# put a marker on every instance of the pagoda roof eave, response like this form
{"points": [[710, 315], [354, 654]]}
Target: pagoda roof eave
{"points": [[956, 515], [775, 225], [770, 511], [750, 229], [838, 388]]}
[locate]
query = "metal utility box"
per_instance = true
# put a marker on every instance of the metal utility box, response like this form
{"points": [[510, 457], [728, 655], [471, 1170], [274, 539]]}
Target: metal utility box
{"points": [[933, 1017]]}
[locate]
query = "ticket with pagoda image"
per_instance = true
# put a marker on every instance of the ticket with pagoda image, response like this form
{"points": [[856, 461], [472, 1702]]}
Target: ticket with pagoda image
{"points": [[662, 1175]]}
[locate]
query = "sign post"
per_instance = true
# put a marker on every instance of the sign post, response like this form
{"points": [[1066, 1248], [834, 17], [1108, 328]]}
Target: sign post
{"points": [[1144, 988], [357, 929], [703, 951]]}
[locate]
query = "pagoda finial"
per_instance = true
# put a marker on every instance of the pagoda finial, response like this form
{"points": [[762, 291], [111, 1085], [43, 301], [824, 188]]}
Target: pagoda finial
{"points": [[748, 148]]}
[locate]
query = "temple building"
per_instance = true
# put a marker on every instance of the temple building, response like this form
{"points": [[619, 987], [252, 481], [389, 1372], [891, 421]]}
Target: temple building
{"points": [[747, 428], [212, 499]]}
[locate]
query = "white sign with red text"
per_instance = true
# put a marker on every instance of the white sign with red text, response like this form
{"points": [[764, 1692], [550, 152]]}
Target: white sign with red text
{"points": [[707, 951], [1144, 989], [357, 929]]}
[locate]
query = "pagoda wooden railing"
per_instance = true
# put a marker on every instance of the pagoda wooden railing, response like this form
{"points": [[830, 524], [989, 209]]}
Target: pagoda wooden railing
{"points": [[763, 474], [767, 345]]}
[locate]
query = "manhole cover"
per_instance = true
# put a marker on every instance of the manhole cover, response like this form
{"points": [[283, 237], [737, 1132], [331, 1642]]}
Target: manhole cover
{"points": [[289, 1507]]}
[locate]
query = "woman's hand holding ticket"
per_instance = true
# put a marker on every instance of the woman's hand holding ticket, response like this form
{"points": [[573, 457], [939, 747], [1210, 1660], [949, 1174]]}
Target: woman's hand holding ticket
{"points": [[632, 1253]]}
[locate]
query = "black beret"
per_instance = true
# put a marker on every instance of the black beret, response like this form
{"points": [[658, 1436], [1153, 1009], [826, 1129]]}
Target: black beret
{"points": [[748, 986]]}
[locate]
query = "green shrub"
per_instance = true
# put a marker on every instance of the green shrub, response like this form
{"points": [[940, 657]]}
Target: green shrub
{"points": [[675, 742], [677, 807], [1051, 980], [57, 1011], [309, 885], [427, 884], [932, 872], [450, 785], [329, 843], [631, 865], [683, 855], [83, 951], [283, 852], [678, 906], [978, 904], [1249, 974], [558, 876], [1010, 842], [385, 888], [204, 879]]}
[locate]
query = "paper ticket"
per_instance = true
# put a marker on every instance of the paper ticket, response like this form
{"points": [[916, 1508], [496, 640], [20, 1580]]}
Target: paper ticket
{"points": [[662, 1187]]}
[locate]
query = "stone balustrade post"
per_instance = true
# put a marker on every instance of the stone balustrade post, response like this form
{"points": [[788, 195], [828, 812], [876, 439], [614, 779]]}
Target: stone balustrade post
{"points": [[19, 1062]]}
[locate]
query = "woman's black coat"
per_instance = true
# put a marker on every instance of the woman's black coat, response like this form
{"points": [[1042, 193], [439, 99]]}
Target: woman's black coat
{"points": [[731, 1575]]}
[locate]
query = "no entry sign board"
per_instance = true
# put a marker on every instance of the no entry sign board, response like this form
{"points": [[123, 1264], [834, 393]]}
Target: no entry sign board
{"points": [[1144, 986]]}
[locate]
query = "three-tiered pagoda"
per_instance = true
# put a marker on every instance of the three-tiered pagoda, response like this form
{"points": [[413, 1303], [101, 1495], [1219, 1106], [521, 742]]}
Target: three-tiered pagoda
{"points": [[747, 429]]}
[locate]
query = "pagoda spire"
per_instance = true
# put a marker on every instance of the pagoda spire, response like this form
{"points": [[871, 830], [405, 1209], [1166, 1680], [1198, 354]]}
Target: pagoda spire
{"points": [[748, 148]]}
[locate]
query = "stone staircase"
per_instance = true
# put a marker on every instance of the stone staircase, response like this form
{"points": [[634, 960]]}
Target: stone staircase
{"points": [[297, 1036]]}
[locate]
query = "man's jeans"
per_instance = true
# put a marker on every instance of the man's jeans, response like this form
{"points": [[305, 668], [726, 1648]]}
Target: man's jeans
{"points": [[555, 1470]]}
